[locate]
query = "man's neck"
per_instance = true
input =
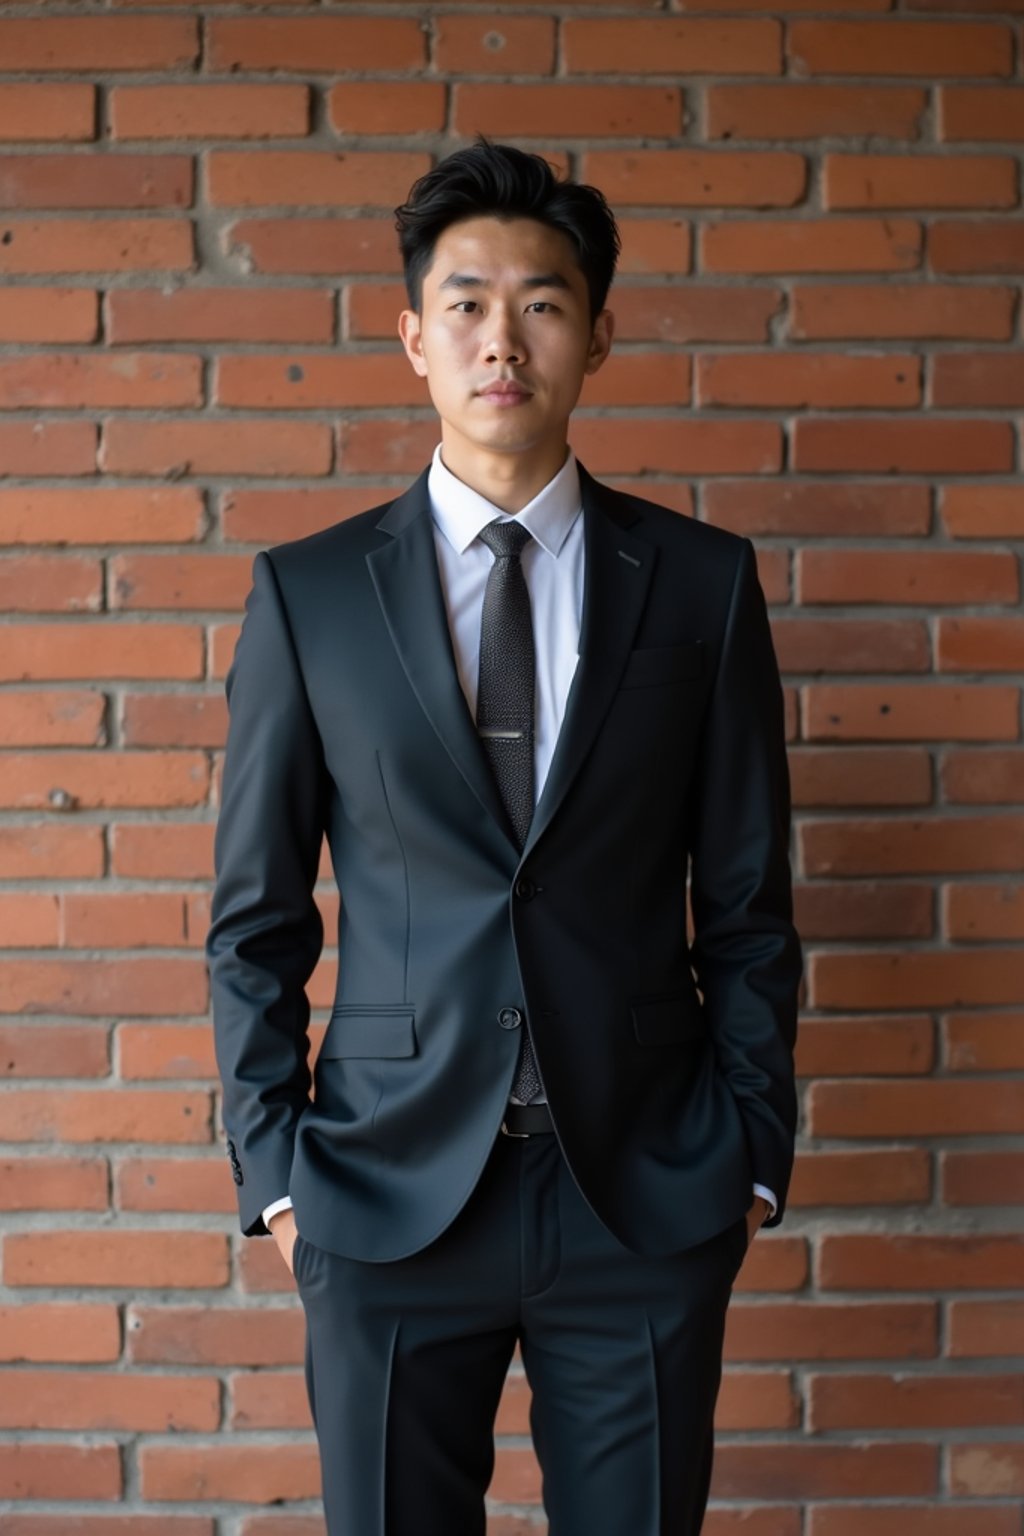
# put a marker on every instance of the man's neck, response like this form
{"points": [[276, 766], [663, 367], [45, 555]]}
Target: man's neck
{"points": [[509, 481]]}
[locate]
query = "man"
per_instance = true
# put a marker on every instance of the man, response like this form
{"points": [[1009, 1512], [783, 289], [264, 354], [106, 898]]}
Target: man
{"points": [[521, 706]]}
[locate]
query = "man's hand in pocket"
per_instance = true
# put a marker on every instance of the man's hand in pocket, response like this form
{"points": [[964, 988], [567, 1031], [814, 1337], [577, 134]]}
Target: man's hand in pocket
{"points": [[284, 1231]]}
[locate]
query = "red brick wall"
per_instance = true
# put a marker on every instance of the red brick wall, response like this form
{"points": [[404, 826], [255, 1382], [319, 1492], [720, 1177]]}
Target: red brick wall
{"points": [[818, 320]]}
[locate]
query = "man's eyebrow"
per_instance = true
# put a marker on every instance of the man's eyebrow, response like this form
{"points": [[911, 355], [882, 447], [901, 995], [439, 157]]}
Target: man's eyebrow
{"points": [[541, 280]]}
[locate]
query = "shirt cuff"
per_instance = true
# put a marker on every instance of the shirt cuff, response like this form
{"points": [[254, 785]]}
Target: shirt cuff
{"points": [[766, 1194], [283, 1204]]}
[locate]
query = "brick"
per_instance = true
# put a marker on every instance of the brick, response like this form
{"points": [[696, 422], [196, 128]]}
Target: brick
{"points": [[989, 246], [894, 47], [48, 314], [980, 645], [168, 1335], [676, 446], [175, 1184], [97, 181], [90, 987], [993, 113], [286, 179], [850, 645], [209, 111], [694, 313], [181, 851], [921, 1262], [697, 177], [208, 447], [312, 381], [105, 1114], [50, 584], [786, 1470], [158, 1260], [219, 314], [845, 909], [245, 1474], [33, 1469], [92, 1400], [320, 247], [112, 1524], [874, 1176], [979, 777], [822, 379], [860, 776], [931, 577], [45, 852], [918, 980], [541, 111], [165, 1051], [918, 181], [38, 246], [314, 44], [816, 1330], [983, 511], [125, 919], [52, 1050], [50, 448], [987, 1470], [40, 780], [654, 245], [926, 1108], [810, 245], [104, 44], [290, 512], [978, 379], [60, 1331], [978, 1329], [51, 718], [261, 1401], [913, 1520], [982, 1042], [101, 650], [162, 720], [379, 106], [179, 581], [53, 1183], [800, 111], [70, 381], [774, 1264], [983, 1178], [111, 514], [873, 1401], [29, 921], [697, 46], [864, 1047], [497, 44], [939, 446], [981, 912], [931, 311], [906, 846], [905, 712], [47, 113]]}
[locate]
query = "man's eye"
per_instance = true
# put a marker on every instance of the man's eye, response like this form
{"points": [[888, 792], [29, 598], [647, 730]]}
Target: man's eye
{"points": [[463, 302], [541, 304]]}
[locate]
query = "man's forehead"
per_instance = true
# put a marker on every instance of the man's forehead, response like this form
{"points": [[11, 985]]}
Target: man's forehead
{"points": [[494, 252]]}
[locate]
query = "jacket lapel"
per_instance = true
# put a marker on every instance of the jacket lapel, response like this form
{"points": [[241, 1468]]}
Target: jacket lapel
{"points": [[617, 574]]}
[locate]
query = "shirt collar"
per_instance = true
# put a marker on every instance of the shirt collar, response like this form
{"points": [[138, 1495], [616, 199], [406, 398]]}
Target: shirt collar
{"points": [[460, 512]]}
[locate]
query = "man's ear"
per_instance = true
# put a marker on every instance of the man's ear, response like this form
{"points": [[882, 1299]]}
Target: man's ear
{"points": [[411, 332], [600, 340]]}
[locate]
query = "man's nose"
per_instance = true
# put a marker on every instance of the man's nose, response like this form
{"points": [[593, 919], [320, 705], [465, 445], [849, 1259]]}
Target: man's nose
{"points": [[503, 340]]}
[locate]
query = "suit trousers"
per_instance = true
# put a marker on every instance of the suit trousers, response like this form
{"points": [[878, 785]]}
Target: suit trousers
{"points": [[405, 1363]]}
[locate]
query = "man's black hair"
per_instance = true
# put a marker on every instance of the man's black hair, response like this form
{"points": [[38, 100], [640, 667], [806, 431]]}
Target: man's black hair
{"points": [[500, 181]]}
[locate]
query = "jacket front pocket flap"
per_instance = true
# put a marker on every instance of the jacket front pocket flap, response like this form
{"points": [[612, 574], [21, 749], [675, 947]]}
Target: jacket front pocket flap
{"points": [[668, 1020], [370, 1032]]}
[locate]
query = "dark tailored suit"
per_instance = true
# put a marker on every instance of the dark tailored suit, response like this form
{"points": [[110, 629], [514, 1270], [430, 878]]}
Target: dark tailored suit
{"points": [[667, 1066]]}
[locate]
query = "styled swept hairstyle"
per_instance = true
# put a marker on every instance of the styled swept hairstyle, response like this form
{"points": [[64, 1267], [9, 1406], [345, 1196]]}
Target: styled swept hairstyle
{"points": [[500, 181]]}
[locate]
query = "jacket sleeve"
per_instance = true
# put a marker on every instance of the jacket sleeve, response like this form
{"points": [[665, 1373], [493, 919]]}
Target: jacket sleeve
{"points": [[265, 932], [746, 952]]}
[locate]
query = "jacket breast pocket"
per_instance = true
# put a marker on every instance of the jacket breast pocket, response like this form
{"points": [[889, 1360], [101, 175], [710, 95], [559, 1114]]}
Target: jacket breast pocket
{"points": [[675, 1019], [369, 1029], [652, 664]]}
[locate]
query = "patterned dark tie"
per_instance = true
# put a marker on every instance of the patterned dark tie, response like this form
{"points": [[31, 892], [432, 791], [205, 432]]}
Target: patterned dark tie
{"points": [[504, 707]]}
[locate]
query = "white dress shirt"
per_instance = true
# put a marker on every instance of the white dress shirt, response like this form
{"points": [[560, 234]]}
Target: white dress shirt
{"points": [[552, 563]]}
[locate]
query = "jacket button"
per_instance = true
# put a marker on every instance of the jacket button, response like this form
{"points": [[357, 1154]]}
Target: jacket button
{"points": [[510, 1018], [525, 888]]}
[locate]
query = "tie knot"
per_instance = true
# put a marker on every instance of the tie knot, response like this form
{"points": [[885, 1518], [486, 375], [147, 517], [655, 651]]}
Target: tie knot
{"points": [[505, 539]]}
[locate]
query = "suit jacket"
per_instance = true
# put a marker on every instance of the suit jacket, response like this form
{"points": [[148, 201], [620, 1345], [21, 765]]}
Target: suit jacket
{"points": [[668, 1066]]}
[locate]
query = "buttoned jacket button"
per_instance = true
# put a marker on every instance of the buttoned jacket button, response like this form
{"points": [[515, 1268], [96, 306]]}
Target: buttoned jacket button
{"points": [[510, 1018], [525, 888]]}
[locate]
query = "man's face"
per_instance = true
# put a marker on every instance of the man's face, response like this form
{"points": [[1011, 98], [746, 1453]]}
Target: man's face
{"points": [[504, 336]]}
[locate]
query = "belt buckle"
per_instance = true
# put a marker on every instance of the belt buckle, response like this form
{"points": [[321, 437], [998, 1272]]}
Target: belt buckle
{"points": [[518, 1135]]}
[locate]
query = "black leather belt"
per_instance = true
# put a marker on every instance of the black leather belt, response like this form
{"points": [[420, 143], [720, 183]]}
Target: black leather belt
{"points": [[527, 1120]]}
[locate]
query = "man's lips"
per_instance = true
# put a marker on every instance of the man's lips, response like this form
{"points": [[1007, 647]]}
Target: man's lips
{"points": [[504, 394]]}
